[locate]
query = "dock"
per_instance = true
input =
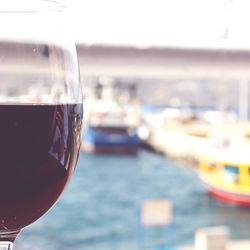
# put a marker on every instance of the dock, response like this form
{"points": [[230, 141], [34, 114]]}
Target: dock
{"points": [[216, 238], [187, 143], [232, 245]]}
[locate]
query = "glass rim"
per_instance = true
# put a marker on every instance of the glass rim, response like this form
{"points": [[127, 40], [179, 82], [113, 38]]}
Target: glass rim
{"points": [[31, 6]]}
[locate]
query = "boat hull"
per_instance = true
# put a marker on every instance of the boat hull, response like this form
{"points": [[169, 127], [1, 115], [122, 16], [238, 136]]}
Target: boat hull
{"points": [[98, 149], [227, 196], [100, 142]]}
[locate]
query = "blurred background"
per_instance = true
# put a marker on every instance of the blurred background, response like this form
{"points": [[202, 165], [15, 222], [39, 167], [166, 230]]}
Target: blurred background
{"points": [[166, 119]]}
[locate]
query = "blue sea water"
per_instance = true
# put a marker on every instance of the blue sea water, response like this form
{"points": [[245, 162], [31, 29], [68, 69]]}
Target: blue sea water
{"points": [[98, 210]]}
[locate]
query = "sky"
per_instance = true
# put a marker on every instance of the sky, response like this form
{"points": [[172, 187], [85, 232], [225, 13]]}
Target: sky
{"points": [[188, 23]]}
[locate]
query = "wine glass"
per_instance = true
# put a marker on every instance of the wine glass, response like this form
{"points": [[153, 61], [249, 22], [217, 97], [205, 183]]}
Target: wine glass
{"points": [[40, 111]]}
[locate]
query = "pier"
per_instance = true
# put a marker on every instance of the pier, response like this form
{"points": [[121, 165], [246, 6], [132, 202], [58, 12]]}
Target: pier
{"points": [[188, 142], [232, 245]]}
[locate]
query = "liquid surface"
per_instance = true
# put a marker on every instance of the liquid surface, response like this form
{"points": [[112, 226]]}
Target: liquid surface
{"points": [[39, 147]]}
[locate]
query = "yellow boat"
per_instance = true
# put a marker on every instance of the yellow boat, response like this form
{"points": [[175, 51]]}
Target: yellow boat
{"points": [[226, 174]]}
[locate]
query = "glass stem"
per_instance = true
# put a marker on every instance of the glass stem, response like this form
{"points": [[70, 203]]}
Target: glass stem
{"points": [[7, 240], [6, 245]]}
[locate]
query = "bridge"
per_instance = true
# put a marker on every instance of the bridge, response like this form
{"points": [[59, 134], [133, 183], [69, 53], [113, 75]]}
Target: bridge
{"points": [[170, 63]]}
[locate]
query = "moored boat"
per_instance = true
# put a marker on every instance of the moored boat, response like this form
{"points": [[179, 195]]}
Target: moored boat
{"points": [[110, 140], [226, 174], [111, 122]]}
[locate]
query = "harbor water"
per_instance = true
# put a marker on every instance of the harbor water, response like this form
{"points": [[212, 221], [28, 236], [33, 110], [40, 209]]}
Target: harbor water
{"points": [[99, 209]]}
